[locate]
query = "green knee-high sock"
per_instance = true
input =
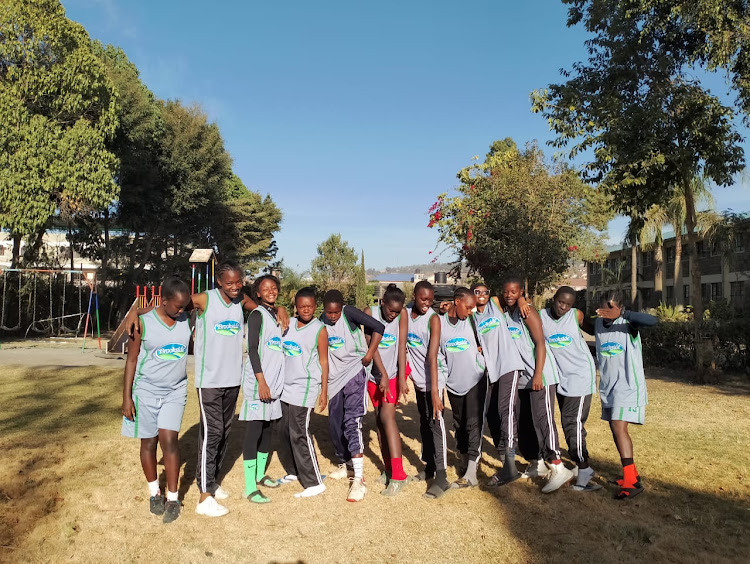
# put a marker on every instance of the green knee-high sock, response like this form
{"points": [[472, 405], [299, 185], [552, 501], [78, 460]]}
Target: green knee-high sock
{"points": [[251, 484], [260, 469]]}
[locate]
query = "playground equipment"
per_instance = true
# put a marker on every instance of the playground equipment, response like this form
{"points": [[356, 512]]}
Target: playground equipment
{"points": [[118, 343], [46, 300], [203, 260]]}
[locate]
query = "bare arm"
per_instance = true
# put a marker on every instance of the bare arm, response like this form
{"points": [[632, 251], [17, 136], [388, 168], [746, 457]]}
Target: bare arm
{"points": [[134, 347], [323, 357], [403, 332], [584, 322], [197, 302], [534, 324], [432, 361]]}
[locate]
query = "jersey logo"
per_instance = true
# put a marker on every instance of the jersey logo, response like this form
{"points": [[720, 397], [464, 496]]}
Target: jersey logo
{"points": [[515, 332], [274, 343], [172, 351], [292, 349], [559, 340], [335, 343], [611, 349], [459, 344], [413, 340], [228, 328], [387, 341], [488, 325]]}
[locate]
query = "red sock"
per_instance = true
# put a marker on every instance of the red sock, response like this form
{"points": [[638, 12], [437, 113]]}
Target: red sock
{"points": [[397, 469], [629, 476], [558, 461]]}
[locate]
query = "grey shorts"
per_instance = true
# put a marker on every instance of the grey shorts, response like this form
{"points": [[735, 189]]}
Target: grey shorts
{"points": [[635, 415], [257, 410], [155, 412]]}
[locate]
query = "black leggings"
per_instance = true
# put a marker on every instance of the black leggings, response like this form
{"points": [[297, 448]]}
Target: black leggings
{"points": [[258, 435]]}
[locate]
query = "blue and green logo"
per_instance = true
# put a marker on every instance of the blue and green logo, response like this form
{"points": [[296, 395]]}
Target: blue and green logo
{"points": [[488, 325], [335, 342], [515, 332], [274, 343], [413, 340], [611, 349], [387, 341], [291, 348], [172, 351], [228, 328], [459, 344], [559, 340]]}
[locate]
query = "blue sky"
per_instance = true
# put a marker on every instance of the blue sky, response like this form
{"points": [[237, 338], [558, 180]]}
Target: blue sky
{"points": [[353, 116]]}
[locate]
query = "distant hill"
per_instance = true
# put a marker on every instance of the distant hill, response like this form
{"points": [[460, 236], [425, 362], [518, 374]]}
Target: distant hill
{"points": [[429, 268]]}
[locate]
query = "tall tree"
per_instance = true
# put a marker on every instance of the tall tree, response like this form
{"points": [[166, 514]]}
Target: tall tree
{"points": [[642, 122], [517, 215], [361, 299], [57, 112], [335, 266]]}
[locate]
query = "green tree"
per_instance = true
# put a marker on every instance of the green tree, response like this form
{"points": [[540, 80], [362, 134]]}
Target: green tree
{"points": [[335, 267], [641, 121], [361, 297], [57, 113], [291, 283], [516, 215]]}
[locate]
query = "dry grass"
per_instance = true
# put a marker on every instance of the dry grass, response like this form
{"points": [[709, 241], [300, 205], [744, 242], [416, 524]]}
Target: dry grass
{"points": [[71, 490]]}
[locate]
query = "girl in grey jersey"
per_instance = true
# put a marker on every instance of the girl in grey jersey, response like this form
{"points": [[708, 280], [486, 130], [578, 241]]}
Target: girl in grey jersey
{"points": [[540, 379], [262, 387], [622, 383], [562, 329], [385, 387], [155, 391], [466, 382]]}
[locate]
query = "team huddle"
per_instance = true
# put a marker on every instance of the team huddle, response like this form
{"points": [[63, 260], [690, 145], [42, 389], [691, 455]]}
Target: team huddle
{"points": [[496, 358]]}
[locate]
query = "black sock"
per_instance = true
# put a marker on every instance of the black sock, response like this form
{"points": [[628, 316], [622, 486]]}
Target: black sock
{"points": [[627, 462], [441, 479]]}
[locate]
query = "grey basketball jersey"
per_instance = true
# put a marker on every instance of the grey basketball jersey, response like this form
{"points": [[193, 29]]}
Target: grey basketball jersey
{"points": [[345, 351], [571, 353], [219, 332], [622, 381], [464, 362], [302, 371], [388, 346], [162, 360], [522, 339], [500, 354], [271, 358], [417, 343]]}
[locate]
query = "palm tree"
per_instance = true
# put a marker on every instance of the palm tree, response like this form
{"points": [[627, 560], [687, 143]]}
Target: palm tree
{"points": [[652, 238], [632, 238]]}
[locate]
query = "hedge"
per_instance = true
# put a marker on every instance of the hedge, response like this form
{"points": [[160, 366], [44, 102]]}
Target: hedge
{"points": [[671, 343]]}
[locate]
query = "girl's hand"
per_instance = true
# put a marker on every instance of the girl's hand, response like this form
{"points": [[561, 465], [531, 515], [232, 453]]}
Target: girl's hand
{"points": [[403, 389], [537, 383], [437, 405], [323, 401], [128, 408], [283, 316], [445, 306], [366, 360], [384, 387], [264, 392], [524, 307], [611, 312]]}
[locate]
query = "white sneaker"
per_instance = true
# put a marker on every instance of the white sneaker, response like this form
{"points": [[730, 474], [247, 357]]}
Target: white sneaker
{"points": [[536, 469], [559, 476], [211, 508], [311, 491], [357, 490], [340, 472], [221, 493]]}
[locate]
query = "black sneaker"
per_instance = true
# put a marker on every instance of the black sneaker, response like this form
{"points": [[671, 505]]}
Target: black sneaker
{"points": [[156, 504], [171, 510]]}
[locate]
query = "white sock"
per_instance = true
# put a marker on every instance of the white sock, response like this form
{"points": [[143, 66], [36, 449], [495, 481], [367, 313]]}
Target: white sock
{"points": [[311, 491], [471, 472], [171, 496], [584, 476], [153, 488], [359, 466]]}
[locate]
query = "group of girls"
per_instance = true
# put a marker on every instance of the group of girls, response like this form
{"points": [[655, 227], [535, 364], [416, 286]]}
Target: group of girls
{"points": [[498, 360]]}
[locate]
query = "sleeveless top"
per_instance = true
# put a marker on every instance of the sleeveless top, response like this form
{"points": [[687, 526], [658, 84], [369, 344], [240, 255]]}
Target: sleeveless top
{"points": [[622, 381], [522, 339], [575, 364], [388, 346], [500, 354], [417, 342], [464, 362], [302, 372], [162, 360], [219, 334], [271, 358], [345, 351]]}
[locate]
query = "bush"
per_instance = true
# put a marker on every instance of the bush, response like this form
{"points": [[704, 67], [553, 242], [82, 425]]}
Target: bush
{"points": [[672, 344], [667, 312]]}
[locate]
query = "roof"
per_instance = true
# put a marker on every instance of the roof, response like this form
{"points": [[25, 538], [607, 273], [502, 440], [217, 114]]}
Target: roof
{"points": [[394, 277], [202, 255]]}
